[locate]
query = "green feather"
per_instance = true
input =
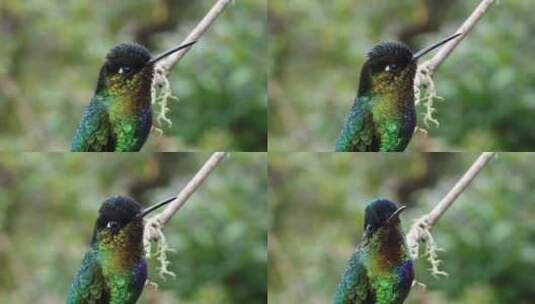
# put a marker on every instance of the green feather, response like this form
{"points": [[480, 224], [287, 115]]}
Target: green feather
{"points": [[373, 125], [354, 288], [88, 286], [94, 131], [358, 131]]}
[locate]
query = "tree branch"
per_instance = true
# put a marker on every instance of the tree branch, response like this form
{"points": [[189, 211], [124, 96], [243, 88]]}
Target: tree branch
{"points": [[181, 199], [433, 63], [154, 226], [424, 81], [161, 88], [167, 64], [161, 219], [421, 229]]}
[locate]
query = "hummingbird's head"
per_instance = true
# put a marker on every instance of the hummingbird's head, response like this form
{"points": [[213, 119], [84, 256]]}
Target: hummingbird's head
{"points": [[381, 214], [125, 71], [120, 223], [391, 67], [129, 69]]}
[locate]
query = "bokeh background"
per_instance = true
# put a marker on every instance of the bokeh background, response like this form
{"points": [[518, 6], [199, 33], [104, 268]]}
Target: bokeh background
{"points": [[52, 51], [49, 204], [317, 202], [317, 48]]}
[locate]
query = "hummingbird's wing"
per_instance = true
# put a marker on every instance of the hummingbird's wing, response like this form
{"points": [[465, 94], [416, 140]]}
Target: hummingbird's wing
{"points": [[405, 274], [88, 286], [354, 288], [358, 132], [140, 277], [94, 131]]}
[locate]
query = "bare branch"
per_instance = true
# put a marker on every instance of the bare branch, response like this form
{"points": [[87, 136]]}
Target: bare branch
{"points": [[465, 28], [190, 188], [161, 219], [167, 64], [421, 229]]}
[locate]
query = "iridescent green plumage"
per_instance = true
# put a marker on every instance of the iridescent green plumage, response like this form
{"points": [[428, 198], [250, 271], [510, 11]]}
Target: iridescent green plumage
{"points": [[119, 116], [88, 286], [114, 269], [380, 271], [375, 123], [97, 282], [383, 117]]}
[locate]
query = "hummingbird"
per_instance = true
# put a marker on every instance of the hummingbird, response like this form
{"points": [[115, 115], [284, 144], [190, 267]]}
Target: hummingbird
{"points": [[383, 116], [380, 270], [119, 116], [114, 269]]}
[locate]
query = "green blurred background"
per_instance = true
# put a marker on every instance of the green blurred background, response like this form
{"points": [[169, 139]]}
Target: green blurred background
{"points": [[49, 203], [51, 53], [316, 204], [318, 47]]}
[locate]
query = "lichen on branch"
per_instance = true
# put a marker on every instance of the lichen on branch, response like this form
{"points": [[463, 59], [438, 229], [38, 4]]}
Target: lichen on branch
{"points": [[423, 231], [153, 232], [160, 95], [161, 88], [425, 93], [424, 87], [155, 229], [421, 228]]}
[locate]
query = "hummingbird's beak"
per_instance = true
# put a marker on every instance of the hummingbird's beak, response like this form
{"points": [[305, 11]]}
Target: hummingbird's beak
{"points": [[171, 51], [396, 213], [428, 49], [155, 206]]}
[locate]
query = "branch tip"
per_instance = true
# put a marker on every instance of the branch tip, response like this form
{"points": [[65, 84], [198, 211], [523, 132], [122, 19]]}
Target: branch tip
{"points": [[153, 232], [421, 228]]}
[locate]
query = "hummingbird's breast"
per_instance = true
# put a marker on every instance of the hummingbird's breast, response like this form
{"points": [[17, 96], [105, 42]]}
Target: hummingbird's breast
{"points": [[131, 122], [394, 117], [393, 287], [126, 287], [391, 271], [397, 94], [392, 249], [123, 264]]}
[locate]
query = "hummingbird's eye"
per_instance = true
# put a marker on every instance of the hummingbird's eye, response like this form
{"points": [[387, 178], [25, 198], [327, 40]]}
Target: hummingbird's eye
{"points": [[125, 70], [391, 67], [369, 229], [112, 225]]}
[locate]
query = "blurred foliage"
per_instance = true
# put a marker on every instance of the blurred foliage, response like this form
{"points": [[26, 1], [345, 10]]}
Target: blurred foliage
{"points": [[51, 53], [317, 202], [49, 203], [318, 47]]}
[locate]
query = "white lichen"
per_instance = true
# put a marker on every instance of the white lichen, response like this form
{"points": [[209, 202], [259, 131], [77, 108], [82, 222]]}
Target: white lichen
{"points": [[419, 284], [425, 93], [421, 130], [160, 95], [423, 234], [151, 284], [154, 233]]}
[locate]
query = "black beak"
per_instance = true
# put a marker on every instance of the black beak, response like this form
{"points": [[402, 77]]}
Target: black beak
{"points": [[396, 213], [155, 206], [428, 49], [171, 51]]}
